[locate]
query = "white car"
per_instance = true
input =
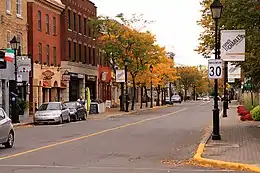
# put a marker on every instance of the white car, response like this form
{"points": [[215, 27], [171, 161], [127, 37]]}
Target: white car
{"points": [[176, 99], [206, 98], [6, 130]]}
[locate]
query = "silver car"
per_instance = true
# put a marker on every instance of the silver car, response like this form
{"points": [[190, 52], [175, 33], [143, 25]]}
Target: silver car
{"points": [[52, 112], [6, 130]]}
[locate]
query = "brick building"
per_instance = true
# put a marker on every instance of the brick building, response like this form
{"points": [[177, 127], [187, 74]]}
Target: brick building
{"points": [[44, 44], [13, 22], [79, 53]]}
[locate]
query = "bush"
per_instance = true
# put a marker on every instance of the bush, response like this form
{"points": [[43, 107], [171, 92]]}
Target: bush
{"points": [[256, 113], [248, 117]]}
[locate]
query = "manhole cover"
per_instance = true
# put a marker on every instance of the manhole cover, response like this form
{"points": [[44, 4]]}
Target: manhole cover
{"points": [[224, 145]]}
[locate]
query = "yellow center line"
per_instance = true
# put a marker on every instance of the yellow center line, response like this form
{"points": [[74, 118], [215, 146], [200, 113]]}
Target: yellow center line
{"points": [[87, 136]]}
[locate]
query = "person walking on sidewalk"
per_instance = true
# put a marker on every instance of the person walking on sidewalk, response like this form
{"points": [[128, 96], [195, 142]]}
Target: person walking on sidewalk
{"points": [[81, 101]]}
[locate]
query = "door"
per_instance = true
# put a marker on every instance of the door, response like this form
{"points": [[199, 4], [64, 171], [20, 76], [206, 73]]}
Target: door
{"points": [[4, 122], [64, 112]]}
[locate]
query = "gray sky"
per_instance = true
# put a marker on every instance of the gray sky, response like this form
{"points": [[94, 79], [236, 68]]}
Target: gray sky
{"points": [[174, 23]]}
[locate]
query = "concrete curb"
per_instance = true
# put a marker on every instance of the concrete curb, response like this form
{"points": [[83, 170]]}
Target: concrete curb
{"points": [[19, 125], [219, 163]]}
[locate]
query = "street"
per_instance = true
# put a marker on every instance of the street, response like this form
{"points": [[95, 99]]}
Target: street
{"points": [[132, 143]]}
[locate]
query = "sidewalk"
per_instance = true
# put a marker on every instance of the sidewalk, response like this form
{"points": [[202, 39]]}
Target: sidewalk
{"points": [[239, 147], [114, 112]]}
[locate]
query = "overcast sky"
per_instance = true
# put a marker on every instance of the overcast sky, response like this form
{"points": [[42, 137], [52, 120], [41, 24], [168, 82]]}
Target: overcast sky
{"points": [[174, 23]]}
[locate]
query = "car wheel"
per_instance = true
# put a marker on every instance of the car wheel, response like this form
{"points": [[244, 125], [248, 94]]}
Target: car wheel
{"points": [[10, 140], [61, 120], [68, 120], [84, 116]]}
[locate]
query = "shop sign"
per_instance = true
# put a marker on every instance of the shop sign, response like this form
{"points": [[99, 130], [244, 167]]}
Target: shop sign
{"points": [[47, 75], [120, 75], [66, 76], [91, 78], [80, 76]]}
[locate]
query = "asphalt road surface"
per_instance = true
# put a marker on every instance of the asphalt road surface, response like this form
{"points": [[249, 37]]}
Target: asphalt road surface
{"points": [[134, 143]]}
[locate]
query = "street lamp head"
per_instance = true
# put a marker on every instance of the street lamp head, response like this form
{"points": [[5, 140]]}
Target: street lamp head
{"points": [[151, 68], [14, 43], [216, 9]]}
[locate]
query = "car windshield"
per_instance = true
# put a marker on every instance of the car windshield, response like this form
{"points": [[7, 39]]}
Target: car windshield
{"points": [[71, 104], [49, 106]]}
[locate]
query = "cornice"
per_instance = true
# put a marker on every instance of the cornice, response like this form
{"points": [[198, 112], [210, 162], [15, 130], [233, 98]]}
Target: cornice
{"points": [[50, 4]]}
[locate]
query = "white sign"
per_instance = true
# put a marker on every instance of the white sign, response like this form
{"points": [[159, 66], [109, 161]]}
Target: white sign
{"points": [[215, 69], [231, 80], [120, 75], [233, 45], [234, 71]]}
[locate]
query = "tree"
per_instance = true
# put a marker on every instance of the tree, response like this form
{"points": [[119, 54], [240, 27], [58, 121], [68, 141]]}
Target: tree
{"points": [[235, 16]]}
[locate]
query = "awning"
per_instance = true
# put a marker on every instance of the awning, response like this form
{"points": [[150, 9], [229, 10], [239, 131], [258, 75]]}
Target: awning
{"points": [[46, 84]]}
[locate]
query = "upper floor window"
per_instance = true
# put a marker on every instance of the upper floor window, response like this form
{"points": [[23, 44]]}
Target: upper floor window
{"points": [[39, 19], [54, 56], [8, 6], [80, 53], [85, 53], [48, 54], [75, 21], [19, 7], [69, 46], [85, 26], [8, 39], [79, 23], [75, 51], [40, 52], [54, 26], [89, 30], [69, 19], [47, 24]]}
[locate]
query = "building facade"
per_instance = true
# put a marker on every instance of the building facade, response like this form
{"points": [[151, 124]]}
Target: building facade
{"points": [[79, 53], [44, 44], [13, 22]]}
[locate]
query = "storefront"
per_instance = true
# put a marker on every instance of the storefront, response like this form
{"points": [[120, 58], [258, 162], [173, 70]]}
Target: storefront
{"points": [[47, 84], [104, 83], [91, 83]]}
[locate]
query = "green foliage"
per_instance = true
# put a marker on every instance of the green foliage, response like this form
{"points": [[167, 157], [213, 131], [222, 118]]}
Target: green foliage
{"points": [[256, 113]]}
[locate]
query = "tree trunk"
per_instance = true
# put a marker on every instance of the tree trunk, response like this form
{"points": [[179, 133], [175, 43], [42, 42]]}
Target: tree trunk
{"points": [[142, 93], [194, 93], [146, 97], [158, 96], [164, 100], [133, 100], [185, 95], [162, 97]]}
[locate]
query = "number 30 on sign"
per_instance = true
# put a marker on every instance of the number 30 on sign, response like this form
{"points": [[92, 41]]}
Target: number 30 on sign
{"points": [[215, 69]]}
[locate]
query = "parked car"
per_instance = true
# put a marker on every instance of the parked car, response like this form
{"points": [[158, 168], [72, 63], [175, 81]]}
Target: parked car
{"points": [[176, 99], [206, 98], [167, 101], [6, 130], [77, 111], [52, 112]]}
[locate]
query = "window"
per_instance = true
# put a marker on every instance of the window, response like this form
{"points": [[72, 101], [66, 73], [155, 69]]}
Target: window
{"points": [[48, 54], [80, 60], [8, 6], [54, 56], [20, 39], [89, 56], [47, 24], [85, 26], [8, 37], [85, 53], [94, 56], [19, 7], [40, 52], [54, 26], [79, 24], [69, 19], [75, 51], [89, 30], [69, 48], [75, 21], [39, 21]]}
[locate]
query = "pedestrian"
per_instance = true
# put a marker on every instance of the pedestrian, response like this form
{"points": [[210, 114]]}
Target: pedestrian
{"points": [[81, 100]]}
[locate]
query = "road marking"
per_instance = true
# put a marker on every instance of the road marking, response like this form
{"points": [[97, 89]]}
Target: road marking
{"points": [[118, 168], [90, 135]]}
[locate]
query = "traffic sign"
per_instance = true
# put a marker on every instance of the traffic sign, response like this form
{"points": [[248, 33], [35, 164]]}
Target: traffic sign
{"points": [[215, 69]]}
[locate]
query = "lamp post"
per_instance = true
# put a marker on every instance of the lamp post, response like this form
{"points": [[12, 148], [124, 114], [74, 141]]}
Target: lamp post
{"points": [[151, 70], [15, 46], [126, 87], [216, 10]]}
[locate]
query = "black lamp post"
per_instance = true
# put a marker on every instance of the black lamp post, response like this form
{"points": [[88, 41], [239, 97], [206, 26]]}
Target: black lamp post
{"points": [[216, 10], [15, 46], [151, 70], [126, 87]]}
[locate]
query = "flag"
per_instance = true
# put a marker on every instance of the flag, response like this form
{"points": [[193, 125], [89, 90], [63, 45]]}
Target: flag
{"points": [[9, 55]]}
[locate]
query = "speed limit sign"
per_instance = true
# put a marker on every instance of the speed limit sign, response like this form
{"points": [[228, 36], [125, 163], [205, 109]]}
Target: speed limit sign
{"points": [[215, 69]]}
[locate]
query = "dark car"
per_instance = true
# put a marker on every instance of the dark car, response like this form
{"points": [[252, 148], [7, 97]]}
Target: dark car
{"points": [[77, 111]]}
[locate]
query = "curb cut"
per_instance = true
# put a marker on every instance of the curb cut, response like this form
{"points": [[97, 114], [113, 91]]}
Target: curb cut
{"points": [[220, 163]]}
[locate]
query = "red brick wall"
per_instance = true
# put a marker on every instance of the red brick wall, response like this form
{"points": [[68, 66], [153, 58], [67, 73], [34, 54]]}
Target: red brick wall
{"points": [[36, 36]]}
